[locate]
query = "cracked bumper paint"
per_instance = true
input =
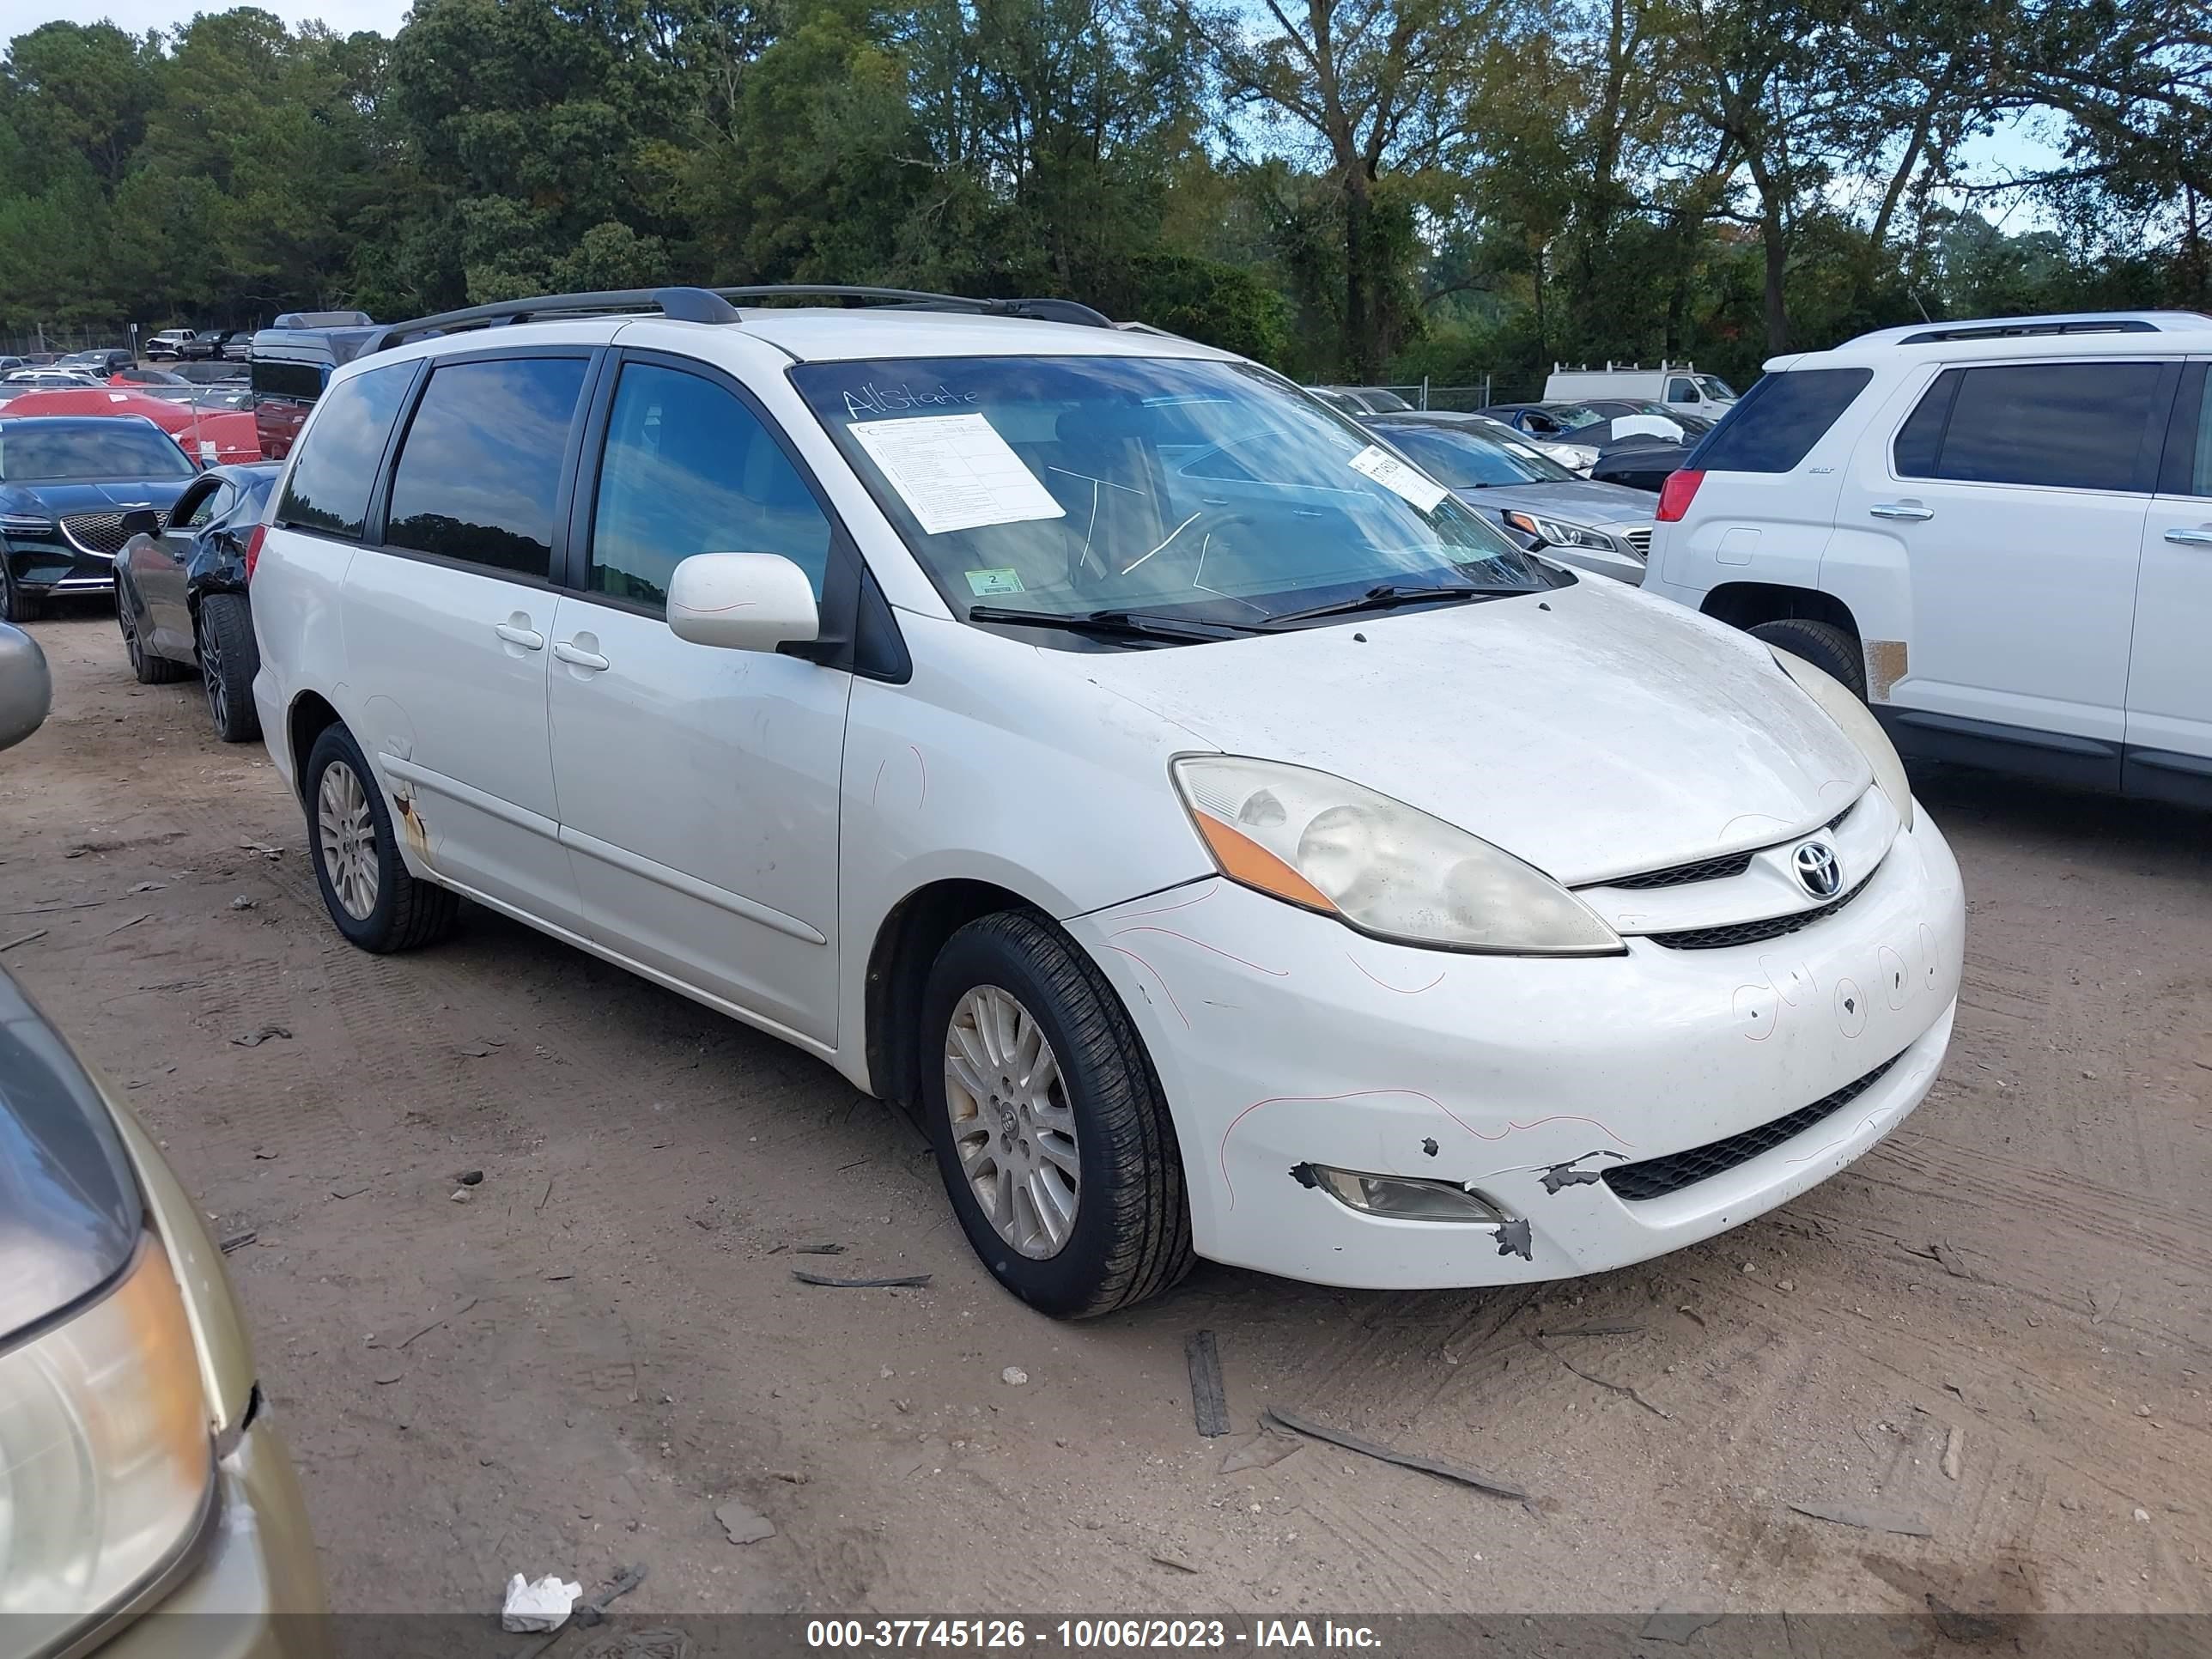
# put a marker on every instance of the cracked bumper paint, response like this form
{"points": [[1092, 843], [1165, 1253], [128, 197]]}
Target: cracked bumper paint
{"points": [[1284, 1039]]}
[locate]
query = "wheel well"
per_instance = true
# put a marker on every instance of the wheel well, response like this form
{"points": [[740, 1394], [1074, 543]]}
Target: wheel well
{"points": [[1747, 605], [898, 967], [311, 715]]}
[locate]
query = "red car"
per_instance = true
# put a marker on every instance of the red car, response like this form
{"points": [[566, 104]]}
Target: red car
{"points": [[209, 436]]}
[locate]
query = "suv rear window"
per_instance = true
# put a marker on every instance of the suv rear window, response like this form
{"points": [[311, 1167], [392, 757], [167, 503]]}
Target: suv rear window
{"points": [[1779, 421], [300, 382], [331, 477], [2076, 426]]}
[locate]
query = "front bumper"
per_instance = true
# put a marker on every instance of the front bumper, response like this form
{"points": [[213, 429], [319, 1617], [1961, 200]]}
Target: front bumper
{"points": [[256, 1592], [1284, 1039], [54, 566]]}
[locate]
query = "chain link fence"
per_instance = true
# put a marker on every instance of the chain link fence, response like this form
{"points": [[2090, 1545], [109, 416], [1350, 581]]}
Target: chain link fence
{"points": [[62, 339], [1427, 395]]}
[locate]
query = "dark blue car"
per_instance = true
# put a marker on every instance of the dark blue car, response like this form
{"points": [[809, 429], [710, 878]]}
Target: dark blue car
{"points": [[68, 483]]}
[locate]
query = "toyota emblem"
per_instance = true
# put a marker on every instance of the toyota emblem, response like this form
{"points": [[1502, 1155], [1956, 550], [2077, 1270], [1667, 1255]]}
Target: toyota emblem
{"points": [[1818, 872]]}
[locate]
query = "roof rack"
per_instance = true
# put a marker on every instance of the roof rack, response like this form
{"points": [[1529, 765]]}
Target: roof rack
{"points": [[711, 304], [2010, 331]]}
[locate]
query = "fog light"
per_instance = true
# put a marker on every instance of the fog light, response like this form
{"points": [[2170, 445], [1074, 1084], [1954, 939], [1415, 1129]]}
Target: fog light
{"points": [[1404, 1197]]}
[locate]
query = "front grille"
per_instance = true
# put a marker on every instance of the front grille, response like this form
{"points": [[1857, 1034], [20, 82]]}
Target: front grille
{"points": [[1656, 1178], [1719, 869], [95, 532], [1753, 932], [1639, 539]]}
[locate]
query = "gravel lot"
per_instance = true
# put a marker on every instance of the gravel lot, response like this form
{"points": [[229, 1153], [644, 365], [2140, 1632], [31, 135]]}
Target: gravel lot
{"points": [[575, 1365]]}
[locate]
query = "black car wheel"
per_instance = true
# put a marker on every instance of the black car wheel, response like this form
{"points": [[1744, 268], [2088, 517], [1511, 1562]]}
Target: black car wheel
{"points": [[17, 603], [1827, 647], [1049, 1126], [229, 659], [146, 668]]}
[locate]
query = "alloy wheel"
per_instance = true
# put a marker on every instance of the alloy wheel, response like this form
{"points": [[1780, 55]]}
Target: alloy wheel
{"points": [[347, 834], [1014, 1130], [211, 677]]}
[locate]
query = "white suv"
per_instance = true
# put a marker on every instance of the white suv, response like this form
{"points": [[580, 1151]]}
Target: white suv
{"points": [[1998, 533], [1224, 841]]}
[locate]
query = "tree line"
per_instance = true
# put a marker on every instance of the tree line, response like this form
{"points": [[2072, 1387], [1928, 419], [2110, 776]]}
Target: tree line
{"points": [[1350, 190]]}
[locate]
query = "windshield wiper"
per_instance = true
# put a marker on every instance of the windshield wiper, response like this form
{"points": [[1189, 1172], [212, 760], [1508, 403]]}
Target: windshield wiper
{"points": [[1115, 624], [1383, 599]]}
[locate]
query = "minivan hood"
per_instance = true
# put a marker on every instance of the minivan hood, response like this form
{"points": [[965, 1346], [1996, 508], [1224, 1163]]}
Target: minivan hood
{"points": [[1592, 730]]}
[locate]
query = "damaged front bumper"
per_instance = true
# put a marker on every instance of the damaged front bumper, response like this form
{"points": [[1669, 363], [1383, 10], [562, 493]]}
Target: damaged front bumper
{"points": [[1611, 1108]]}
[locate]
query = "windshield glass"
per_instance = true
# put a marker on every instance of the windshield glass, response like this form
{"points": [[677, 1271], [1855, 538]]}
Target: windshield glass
{"points": [[1198, 489], [1713, 386], [1467, 461], [119, 449], [1573, 416]]}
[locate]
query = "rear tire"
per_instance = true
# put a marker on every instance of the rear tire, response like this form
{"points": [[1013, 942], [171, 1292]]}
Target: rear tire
{"points": [[229, 659], [1823, 645], [1129, 1237], [390, 909]]}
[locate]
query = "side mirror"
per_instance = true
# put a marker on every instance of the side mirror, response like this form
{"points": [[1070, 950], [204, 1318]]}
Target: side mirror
{"points": [[27, 690], [141, 521], [742, 602]]}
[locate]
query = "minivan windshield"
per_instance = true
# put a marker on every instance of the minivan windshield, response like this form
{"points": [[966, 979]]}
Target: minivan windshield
{"points": [[1203, 491]]}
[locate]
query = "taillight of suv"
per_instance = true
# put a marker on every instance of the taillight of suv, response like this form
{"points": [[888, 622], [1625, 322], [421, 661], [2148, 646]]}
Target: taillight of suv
{"points": [[260, 534], [1676, 495]]}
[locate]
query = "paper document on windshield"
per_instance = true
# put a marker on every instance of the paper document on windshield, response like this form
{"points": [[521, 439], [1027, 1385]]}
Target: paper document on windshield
{"points": [[1395, 475], [955, 472]]}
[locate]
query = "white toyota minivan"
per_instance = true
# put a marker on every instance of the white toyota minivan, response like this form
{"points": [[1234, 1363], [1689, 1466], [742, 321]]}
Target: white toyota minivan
{"points": [[1222, 840]]}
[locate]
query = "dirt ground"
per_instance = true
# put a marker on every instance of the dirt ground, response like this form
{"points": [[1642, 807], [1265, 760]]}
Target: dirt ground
{"points": [[572, 1368]]}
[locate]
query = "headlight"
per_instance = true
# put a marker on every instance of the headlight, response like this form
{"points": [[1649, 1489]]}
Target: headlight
{"points": [[1377, 865], [106, 1469], [1841, 706], [25, 524], [1558, 532]]}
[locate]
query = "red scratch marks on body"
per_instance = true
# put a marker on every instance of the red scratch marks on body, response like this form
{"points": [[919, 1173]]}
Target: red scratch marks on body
{"points": [[1156, 974], [1279, 972], [1511, 1127], [1387, 985]]}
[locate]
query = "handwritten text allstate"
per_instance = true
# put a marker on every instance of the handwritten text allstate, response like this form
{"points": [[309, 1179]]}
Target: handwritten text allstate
{"points": [[873, 399]]}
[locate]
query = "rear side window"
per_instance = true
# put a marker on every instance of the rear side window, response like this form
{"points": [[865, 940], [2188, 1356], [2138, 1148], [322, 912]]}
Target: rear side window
{"points": [[2187, 468], [479, 470], [1779, 421], [335, 470], [2077, 426]]}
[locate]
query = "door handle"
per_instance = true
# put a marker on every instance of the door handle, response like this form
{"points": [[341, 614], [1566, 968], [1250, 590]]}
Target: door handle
{"points": [[515, 634], [1911, 511], [569, 651], [2192, 538]]}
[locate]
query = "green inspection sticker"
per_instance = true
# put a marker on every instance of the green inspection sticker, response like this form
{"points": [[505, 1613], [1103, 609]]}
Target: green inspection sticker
{"points": [[984, 584]]}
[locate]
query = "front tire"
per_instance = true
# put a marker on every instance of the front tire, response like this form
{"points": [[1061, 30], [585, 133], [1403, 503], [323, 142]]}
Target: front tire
{"points": [[366, 885], [1051, 1132], [17, 603], [1823, 645], [229, 659]]}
